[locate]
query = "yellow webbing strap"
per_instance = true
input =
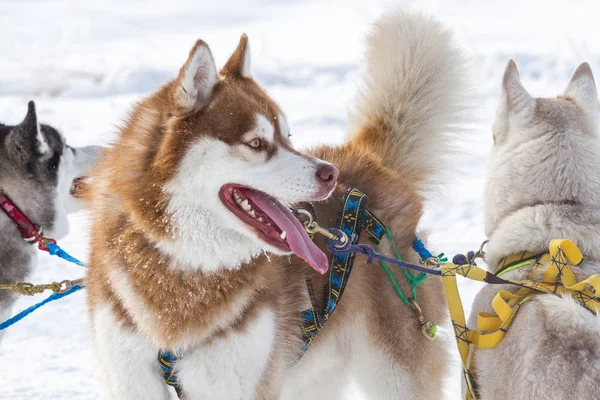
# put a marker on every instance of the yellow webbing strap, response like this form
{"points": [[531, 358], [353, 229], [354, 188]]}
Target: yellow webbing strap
{"points": [[558, 279], [457, 315], [505, 305]]}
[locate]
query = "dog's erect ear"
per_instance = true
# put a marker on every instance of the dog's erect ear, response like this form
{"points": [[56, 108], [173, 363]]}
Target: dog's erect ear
{"points": [[517, 97], [196, 79], [582, 89], [516, 104], [238, 64], [26, 140]]}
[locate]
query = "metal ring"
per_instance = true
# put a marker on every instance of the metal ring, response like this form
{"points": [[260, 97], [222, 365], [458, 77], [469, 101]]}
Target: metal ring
{"points": [[34, 238], [481, 253], [343, 240], [65, 286], [306, 213]]}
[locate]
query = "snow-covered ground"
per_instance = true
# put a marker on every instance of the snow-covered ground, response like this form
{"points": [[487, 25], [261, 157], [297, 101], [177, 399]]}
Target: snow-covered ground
{"points": [[85, 63]]}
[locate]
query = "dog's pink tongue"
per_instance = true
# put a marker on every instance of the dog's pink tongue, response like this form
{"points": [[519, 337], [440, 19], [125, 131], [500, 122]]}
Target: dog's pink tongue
{"points": [[297, 238]]}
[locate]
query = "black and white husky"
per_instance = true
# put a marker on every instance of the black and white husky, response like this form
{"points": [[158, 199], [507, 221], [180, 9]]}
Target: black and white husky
{"points": [[37, 171]]}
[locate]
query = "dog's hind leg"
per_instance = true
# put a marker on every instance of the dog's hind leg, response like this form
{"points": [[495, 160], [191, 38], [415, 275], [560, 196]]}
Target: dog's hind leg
{"points": [[129, 361]]}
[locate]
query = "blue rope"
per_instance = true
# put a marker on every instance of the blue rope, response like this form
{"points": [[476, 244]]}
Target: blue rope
{"points": [[372, 254], [27, 311], [419, 247], [55, 250]]}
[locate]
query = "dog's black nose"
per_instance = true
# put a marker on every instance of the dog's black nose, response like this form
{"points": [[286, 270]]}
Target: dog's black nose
{"points": [[327, 173]]}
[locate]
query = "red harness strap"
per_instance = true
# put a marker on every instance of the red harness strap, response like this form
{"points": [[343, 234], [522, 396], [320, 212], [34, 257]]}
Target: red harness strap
{"points": [[29, 231]]}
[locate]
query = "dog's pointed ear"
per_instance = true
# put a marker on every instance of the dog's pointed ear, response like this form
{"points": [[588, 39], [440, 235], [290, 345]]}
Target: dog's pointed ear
{"points": [[516, 104], [238, 64], [196, 79], [27, 139], [517, 97], [582, 89]]}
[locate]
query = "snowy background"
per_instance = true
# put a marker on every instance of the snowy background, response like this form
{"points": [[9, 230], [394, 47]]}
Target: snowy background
{"points": [[85, 63]]}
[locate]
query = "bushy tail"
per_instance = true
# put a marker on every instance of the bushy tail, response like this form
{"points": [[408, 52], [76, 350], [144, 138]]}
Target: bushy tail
{"points": [[414, 96]]}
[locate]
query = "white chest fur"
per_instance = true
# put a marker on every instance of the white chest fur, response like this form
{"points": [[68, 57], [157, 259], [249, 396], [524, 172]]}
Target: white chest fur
{"points": [[230, 367]]}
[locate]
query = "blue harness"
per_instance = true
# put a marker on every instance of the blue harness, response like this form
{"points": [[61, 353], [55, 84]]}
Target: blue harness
{"points": [[353, 216]]}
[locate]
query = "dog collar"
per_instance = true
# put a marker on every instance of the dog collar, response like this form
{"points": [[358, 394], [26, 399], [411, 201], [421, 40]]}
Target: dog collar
{"points": [[29, 231]]}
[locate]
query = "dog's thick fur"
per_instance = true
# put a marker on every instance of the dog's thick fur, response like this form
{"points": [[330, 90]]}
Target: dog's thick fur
{"points": [[37, 169], [543, 184], [171, 267]]}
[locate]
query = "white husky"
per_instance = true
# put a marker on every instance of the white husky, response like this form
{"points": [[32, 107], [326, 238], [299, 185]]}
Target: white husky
{"points": [[543, 184]]}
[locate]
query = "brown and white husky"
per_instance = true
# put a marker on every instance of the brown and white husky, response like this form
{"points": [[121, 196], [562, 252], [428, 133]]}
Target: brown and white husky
{"points": [[192, 232]]}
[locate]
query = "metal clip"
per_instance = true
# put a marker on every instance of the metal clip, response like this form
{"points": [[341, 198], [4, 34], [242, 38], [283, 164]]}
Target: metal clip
{"points": [[314, 227], [481, 253], [433, 262], [427, 328], [306, 213], [64, 286]]}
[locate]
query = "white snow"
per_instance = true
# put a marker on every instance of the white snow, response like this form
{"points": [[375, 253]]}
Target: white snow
{"points": [[85, 63]]}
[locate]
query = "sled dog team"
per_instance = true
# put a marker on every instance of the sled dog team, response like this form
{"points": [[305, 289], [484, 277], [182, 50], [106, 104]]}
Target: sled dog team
{"points": [[196, 248]]}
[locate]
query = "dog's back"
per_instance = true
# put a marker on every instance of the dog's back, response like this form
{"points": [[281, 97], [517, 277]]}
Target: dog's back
{"points": [[543, 184]]}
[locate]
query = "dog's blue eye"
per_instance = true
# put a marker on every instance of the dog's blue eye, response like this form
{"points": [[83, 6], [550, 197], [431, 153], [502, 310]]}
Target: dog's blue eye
{"points": [[255, 143]]}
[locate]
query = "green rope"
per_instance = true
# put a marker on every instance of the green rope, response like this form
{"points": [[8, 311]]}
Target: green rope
{"points": [[395, 283], [413, 280]]}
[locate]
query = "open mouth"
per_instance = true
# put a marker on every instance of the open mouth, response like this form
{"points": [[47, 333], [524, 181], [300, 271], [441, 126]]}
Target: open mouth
{"points": [[273, 223]]}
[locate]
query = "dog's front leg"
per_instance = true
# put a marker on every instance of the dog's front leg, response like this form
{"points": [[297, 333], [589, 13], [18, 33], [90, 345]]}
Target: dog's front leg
{"points": [[128, 360], [237, 365]]}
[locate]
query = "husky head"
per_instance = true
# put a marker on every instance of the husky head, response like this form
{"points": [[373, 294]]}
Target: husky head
{"points": [[37, 171], [546, 151], [230, 168]]}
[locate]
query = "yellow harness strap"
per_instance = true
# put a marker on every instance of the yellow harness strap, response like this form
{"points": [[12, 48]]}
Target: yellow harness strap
{"points": [[457, 314], [516, 261], [558, 279]]}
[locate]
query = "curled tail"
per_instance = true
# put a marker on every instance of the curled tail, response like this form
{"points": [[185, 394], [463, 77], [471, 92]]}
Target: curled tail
{"points": [[414, 95]]}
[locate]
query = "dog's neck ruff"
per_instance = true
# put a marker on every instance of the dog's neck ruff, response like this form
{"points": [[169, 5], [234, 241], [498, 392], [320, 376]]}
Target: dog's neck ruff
{"points": [[530, 229], [209, 250]]}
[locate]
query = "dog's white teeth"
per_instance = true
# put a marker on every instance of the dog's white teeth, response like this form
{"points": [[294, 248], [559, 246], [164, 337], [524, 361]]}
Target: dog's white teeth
{"points": [[283, 235], [259, 219], [245, 205], [237, 198], [252, 213]]}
